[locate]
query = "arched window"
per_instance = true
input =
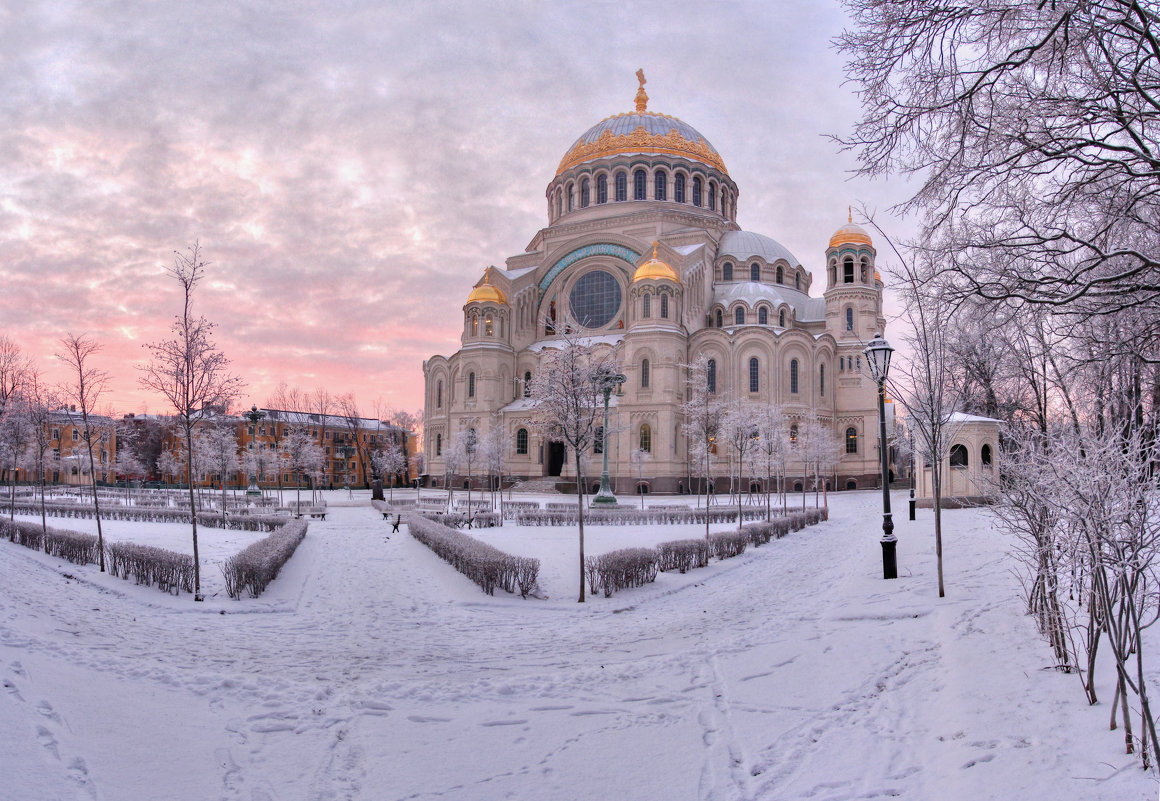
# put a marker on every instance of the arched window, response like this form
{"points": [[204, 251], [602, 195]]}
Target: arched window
{"points": [[679, 187], [438, 444], [585, 194], [718, 318], [797, 280], [474, 325], [780, 274], [712, 196], [781, 318], [488, 325], [602, 189], [571, 197], [822, 381], [841, 362], [471, 385], [985, 456], [646, 438], [522, 442], [528, 384], [763, 316], [621, 186], [639, 184], [851, 440], [696, 191], [755, 272], [646, 305], [644, 373], [661, 185], [664, 307], [793, 432], [793, 376], [739, 316], [848, 271], [439, 395], [727, 271], [711, 375], [559, 204], [849, 318], [754, 375], [958, 456], [598, 440]]}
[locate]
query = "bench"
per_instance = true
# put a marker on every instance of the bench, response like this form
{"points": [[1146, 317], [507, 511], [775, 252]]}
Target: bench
{"points": [[317, 512]]}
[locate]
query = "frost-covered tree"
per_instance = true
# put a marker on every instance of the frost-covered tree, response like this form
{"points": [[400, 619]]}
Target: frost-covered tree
{"points": [[454, 456], [41, 402], [740, 430], [191, 373], [568, 404], [771, 448], [304, 457], [217, 444], [16, 438], [82, 393], [639, 458], [388, 461], [820, 451], [169, 465], [702, 412], [492, 449]]}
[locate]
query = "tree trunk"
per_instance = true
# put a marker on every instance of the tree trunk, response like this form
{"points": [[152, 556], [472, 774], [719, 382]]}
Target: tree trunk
{"points": [[580, 517], [193, 514], [936, 490]]}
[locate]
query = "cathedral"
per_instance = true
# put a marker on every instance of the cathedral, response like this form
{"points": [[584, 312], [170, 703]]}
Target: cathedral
{"points": [[642, 253]]}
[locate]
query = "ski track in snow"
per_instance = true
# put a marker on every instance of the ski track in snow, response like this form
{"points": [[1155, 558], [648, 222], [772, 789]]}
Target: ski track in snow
{"points": [[377, 672]]}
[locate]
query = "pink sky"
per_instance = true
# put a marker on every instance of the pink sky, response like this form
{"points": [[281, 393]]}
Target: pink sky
{"points": [[350, 169]]}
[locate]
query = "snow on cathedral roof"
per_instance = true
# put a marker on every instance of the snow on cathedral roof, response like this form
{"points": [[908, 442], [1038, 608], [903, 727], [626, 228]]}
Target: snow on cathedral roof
{"points": [[743, 245], [805, 308]]}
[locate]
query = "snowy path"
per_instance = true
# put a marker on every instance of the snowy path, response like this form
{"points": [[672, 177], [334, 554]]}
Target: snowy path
{"points": [[371, 670]]}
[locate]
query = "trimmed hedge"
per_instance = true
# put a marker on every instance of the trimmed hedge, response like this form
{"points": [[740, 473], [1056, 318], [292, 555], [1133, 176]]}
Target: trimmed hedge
{"points": [[255, 566], [487, 566], [728, 544], [622, 569], [151, 515], [169, 571], [569, 516], [684, 555]]}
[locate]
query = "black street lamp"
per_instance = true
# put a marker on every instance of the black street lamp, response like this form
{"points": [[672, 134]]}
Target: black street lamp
{"points": [[607, 382], [878, 354], [253, 490]]}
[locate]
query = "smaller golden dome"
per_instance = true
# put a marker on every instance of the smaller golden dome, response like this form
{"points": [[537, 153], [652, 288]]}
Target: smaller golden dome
{"points": [[485, 292], [850, 234], [655, 269], [878, 276]]}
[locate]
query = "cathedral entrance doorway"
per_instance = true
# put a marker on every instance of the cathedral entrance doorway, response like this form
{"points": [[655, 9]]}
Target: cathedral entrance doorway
{"points": [[556, 453]]}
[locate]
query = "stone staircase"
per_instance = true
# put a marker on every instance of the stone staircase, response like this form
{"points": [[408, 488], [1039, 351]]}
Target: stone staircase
{"points": [[547, 484]]}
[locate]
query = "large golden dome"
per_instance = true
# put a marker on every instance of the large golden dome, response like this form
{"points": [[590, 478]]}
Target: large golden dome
{"points": [[655, 269], [641, 131], [485, 292]]}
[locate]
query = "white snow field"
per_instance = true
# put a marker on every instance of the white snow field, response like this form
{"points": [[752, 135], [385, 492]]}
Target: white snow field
{"points": [[371, 670]]}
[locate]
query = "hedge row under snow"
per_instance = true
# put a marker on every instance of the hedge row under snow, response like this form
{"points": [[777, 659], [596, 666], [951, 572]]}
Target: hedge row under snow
{"points": [[80, 549], [169, 571], [256, 565], [152, 515], [622, 569], [458, 519], [568, 516], [487, 566]]}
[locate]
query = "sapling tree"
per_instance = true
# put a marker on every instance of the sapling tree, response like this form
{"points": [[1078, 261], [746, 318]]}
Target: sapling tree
{"points": [[168, 465], [82, 393], [218, 446], [492, 449], [16, 438], [568, 404], [304, 457], [191, 373], [41, 403], [771, 447], [702, 411], [639, 458], [740, 431]]}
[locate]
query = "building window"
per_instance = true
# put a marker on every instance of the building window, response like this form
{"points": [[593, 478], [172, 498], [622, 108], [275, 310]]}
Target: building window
{"points": [[822, 381], [438, 444], [851, 440], [644, 373], [958, 456], [755, 272], [639, 185], [661, 185], [595, 299], [793, 376], [797, 281], [522, 442], [585, 194], [664, 307], [763, 316], [646, 438], [985, 456], [719, 323], [528, 384], [571, 198], [848, 271], [727, 271], [646, 305], [474, 325], [754, 375], [602, 189], [849, 318], [621, 186], [471, 385], [712, 196], [780, 275], [696, 191], [598, 440], [488, 325], [793, 432], [77, 435], [711, 375], [781, 318], [739, 316], [679, 187]]}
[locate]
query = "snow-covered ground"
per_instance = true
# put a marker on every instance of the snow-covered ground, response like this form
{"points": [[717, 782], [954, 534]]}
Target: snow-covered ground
{"points": [[371, 670]]}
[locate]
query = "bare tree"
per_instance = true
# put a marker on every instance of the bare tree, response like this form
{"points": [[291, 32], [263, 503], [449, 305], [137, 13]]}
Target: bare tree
{"points": [[388, 461], [639, 458], [217, 442], [304, 457], [771, 448], [14, 368], [168, 464], [82, 393], [191, 373], [492, 450], [41, 403], [16, 438], [353, 422], [703, 412], [568, 405], [740, 429]]}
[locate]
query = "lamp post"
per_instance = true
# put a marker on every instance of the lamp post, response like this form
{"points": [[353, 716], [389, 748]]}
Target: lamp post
{"points": [[607, 382], [253, 416], [878, 354]]}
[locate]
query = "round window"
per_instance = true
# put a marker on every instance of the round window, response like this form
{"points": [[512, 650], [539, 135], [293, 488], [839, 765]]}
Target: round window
{"points": [[595, 299]]}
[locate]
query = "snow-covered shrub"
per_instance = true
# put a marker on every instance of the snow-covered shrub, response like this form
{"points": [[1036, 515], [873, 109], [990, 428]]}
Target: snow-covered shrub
{"points": [[80, 549], [728, 544], [254, 567], [487, 566], [169, 571], [29, 535], [632, 517], [683, 555], [151, 514], [619, 570], [766, 530]]}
